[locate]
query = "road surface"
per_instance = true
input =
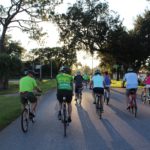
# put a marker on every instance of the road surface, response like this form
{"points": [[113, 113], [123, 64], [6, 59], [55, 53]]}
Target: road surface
{"points": [[118, 129]]}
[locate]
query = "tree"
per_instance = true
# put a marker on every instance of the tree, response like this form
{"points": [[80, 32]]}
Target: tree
{"points": [[34, 11], [8, 64], [86, 26], [59, 55]]}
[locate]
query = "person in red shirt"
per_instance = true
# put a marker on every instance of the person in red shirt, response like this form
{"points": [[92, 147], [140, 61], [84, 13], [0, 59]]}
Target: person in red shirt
{"points": [[147, 83]]}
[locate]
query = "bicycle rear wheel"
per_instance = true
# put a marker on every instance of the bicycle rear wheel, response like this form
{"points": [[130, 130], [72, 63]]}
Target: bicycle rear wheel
{"points": [[25, 120], [134, 108], [65, 121], [99, 107], [143, 97]]}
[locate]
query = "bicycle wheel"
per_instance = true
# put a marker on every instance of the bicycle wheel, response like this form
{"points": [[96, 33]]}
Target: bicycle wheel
{"points": [[65, 120], [25, 120], [99, 107], [105, 96], [134, 108], [143, 97], [80, 98]]}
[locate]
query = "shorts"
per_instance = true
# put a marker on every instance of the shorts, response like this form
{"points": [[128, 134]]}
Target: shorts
{"points": [[130, 91], [28, 95], [98, 90], [78, 89], [64, 93]]}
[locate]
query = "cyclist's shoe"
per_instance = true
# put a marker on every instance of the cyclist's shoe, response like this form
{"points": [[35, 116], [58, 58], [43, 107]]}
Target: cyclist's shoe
{"points": [[31, 115], [69, 119], [59, 115], [94, 102], [128, 108]]}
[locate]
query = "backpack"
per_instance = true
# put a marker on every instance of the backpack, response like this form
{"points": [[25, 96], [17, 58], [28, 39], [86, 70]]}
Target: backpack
{"points": [[78, 80]]}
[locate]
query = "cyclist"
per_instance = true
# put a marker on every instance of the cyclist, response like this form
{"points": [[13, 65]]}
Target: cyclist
{"points": [[97, 83], [26, 86], [78, 80], [86, 79], [107, 80], [131, 80], [147, 83], [64, 88]]}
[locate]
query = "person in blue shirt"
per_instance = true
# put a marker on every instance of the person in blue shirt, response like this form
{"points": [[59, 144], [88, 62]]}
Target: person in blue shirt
{"points": [[107, 81], [97, 84]]}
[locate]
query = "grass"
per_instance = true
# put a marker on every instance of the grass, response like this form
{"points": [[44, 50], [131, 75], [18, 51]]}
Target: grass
{"points": [[116, 84], [10, 109], [10, 106]]}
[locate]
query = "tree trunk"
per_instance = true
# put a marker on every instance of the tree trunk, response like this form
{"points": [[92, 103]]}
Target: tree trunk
{"points": [[4, 83]]}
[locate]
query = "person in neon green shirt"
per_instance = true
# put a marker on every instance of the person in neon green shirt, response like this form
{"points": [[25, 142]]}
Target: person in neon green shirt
{"points": [[26, 86], [64, 89], [86, 78]]}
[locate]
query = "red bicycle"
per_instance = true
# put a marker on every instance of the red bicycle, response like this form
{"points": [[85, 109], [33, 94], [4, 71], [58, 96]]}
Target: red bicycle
{"points": [[132, 104]]}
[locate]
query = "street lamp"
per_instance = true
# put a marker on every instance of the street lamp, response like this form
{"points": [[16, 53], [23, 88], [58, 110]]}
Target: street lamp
{"points": [[51, 69]]}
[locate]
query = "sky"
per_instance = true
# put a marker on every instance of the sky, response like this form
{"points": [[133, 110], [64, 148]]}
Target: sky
{"points": [[127, 9]]}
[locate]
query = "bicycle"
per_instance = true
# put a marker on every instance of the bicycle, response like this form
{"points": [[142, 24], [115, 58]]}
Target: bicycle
{"points": [[79, 96], [106, 95], [99, 105], [26, 115], [132, 104], [64, 118], [145, 97]]}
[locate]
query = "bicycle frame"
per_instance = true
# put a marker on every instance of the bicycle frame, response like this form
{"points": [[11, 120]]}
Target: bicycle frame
{"points": [[64, 116], [79, 95]]}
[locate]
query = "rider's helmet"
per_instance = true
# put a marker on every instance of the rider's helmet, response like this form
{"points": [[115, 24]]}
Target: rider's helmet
{"points": [[130, 69], [97, 72], [106, 72], [31, 72], [65, 69], [78, 73]]}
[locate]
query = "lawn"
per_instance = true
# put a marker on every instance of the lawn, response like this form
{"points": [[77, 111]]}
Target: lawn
{"points": [[10, 109], [116, 84]]}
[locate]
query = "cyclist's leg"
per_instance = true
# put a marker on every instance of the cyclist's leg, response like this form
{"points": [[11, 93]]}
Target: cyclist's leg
{"points": [[23, 100], [94, 96], [69, 100], [127, 98], [76, 93], [101, 91], [33, 100], [60, 100]]}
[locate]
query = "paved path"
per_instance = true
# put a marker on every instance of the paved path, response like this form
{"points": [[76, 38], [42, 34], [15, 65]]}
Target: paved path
{"points": [[118, 129]]}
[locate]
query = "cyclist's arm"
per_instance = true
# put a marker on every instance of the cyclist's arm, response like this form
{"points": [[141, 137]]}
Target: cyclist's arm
{"points": [[123, 82], [91, 84]]}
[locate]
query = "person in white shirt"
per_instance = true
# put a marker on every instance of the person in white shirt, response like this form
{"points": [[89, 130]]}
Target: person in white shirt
{"points": [[97, 84], [131, 79]]}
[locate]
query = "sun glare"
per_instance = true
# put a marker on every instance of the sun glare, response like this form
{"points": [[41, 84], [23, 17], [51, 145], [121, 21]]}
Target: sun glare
{"points": [[86, 59]]}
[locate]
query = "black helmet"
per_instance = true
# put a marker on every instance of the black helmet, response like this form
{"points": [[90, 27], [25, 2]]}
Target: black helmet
{"points": [[65, 69], [97, 72], [129, 69], [31, 72]]}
